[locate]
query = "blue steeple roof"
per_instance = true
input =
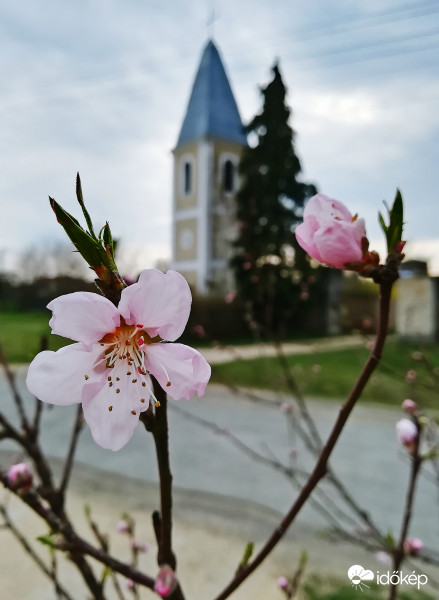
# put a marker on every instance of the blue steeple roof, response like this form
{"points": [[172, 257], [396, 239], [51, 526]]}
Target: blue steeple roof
{"points": [[212, 110]]}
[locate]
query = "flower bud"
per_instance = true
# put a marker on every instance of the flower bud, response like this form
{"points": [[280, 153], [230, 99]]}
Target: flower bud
{"points": [[406, 433], [286, 408], [139, 546], [282, 583], [122, 526], [411, 376], [413, 546], [20, 478], [165, 582], [410, 406], [330, 233]]}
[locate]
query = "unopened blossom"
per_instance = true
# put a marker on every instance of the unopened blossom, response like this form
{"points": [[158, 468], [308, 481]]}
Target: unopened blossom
{"points": [[282, 582], [108, 370], [139, 546], [129, 584], [286, 408], [123, 526], [20, 478], [406, 433], [383, 557], [410, 406], [330, 233], [411, 376], [413, 546], [230, 296], [165, 582]]}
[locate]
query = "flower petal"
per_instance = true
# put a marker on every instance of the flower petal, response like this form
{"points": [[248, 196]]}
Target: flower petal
{"points": [[83, 317], [340, 242], [160, 302], [111, 415], [59, 377], [184, 367]]}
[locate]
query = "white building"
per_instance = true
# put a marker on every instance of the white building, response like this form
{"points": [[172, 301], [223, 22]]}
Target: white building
{"points": [[206, 158]]}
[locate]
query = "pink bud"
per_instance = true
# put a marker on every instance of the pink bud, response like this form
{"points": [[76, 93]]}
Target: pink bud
{"points": [[230, 296], [282, 583], [383, 557], [410, 406], [329, 233], [122, 526], [411, 376], [199, 331], [406, 433], [139, 546], [247, 265], [20, 478], [165, 582], [413, 546], [129, 584], [286, 408]]}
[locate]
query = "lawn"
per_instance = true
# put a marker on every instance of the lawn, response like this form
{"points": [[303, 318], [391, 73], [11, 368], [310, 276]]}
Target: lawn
{"points": [[20, 334], [332, 374], [323, 374]]}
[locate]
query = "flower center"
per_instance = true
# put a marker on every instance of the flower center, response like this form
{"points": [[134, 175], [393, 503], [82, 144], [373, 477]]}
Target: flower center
{"points": [[124, 352]]}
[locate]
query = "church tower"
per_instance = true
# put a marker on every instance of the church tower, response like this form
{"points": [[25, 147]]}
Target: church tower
{"points": [[206, 159]]}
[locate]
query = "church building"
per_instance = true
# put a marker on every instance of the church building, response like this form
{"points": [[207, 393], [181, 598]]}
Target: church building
{"points": [[206, 160]]}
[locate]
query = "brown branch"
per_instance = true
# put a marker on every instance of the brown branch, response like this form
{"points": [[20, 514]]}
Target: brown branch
{"points": [[77, 428], [30, 551], [321, 465], [14, 390], [160, 433], [76, 545], [398, 552]]}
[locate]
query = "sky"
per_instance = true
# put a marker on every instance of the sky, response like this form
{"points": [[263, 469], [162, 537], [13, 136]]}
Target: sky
{"points": [[101, 87]]}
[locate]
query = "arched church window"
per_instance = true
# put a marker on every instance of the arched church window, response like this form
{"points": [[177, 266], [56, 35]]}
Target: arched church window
{"points": [[187, 178], [228, 176]]}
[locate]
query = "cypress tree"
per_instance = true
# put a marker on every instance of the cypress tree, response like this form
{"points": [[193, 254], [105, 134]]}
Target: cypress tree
{"points": [[268, 264]]}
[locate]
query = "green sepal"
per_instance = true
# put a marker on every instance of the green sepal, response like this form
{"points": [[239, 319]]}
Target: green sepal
{"points": [[393, 231], [248, 551], [47, 540], [106, 571], [108, 239], [89, 248], [80, 198]]}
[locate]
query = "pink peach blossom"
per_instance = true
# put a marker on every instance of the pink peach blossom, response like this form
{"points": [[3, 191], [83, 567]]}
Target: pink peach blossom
{"points": [[108, 369], [20, 478], [329, 233]]}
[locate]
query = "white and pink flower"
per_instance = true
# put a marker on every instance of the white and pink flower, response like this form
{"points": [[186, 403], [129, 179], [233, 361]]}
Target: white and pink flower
{"points": [[330, 233], [108, 370]]}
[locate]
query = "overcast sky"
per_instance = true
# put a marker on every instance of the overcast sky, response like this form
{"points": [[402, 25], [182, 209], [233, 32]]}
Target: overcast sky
{"points": [[101, 87]]}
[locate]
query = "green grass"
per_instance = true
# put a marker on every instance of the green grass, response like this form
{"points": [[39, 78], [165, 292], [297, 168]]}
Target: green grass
{"points": [[20, 335], [338, 371]]}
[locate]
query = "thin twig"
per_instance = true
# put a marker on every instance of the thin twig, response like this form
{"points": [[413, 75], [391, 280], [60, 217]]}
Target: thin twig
{"points": [[321, 465], [62, 593], [14, 390], [77, 428]]}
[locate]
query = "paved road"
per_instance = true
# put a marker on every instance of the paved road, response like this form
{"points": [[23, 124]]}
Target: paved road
{"points": [[367, 457]]}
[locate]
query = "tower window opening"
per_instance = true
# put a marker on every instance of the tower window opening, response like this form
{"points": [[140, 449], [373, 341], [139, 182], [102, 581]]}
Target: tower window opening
{"points": [[228, 176], [187, 175]]}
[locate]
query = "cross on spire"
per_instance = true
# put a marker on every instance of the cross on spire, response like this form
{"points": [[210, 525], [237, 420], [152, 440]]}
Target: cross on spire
{"points": [[210, 22]]}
